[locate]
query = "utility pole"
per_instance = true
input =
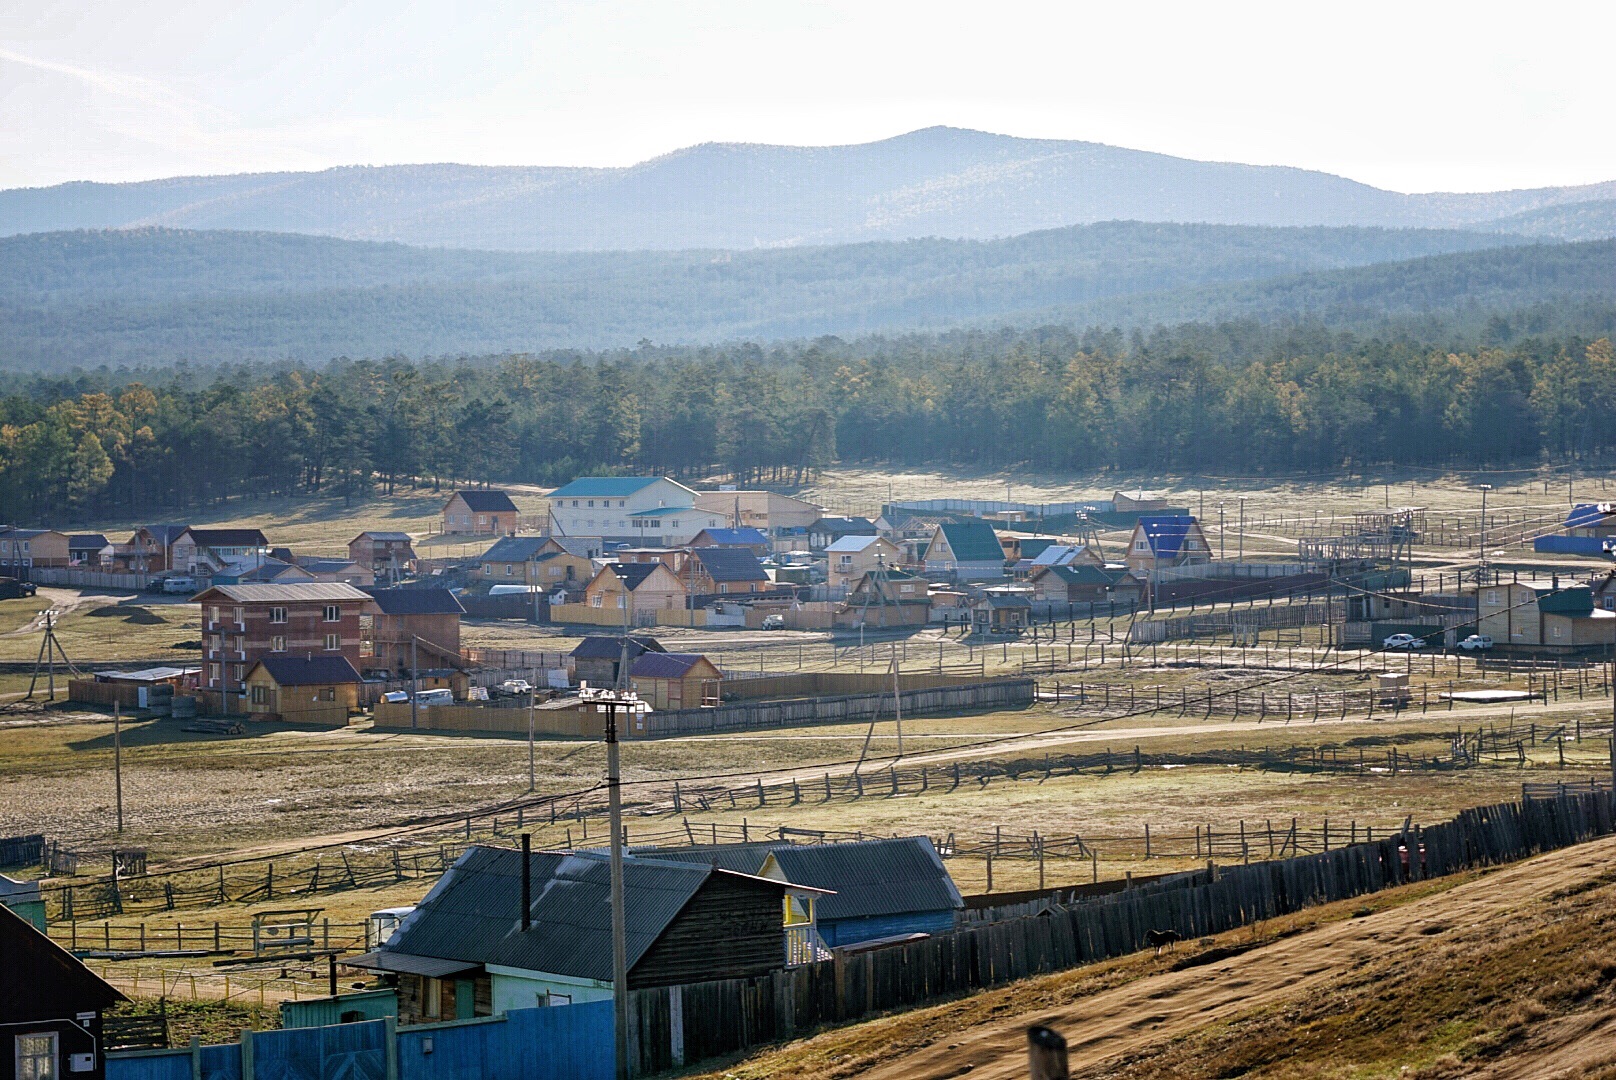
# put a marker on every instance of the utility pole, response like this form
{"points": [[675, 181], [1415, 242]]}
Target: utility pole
{"points": [[1485, 488], [1242, 555], [415, 687], [1223, 551], [117, 759], [609, 703], [532, 707]]}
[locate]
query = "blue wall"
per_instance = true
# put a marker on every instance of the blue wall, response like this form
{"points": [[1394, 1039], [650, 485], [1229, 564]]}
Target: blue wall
{"points": [[570, 1042], [836, 932], [1570, 545]]}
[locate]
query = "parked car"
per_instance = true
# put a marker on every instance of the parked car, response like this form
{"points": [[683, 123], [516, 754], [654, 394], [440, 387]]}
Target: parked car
{"points": [[516, 687], [13, 589], [774, 622], [1403, 641], [1476, 643]]}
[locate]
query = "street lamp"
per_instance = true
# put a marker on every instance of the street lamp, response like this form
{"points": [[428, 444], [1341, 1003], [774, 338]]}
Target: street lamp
{"points": [[609, 703]]}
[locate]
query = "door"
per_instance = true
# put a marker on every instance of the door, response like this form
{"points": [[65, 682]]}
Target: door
{"points": [[37, 1056]]}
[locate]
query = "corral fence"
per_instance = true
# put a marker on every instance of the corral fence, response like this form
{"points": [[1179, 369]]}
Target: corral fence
{"points": [[673, 1026], [1235, 621], [108, 941], [993, 694]]}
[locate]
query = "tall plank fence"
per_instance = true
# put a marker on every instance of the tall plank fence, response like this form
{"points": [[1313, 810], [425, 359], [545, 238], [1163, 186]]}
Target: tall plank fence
{"points": [[678, 1025], [993, 694]]}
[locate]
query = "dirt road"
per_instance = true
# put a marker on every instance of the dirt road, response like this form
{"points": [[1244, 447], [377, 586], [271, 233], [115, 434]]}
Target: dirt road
{"points": [[1128, 1018]]}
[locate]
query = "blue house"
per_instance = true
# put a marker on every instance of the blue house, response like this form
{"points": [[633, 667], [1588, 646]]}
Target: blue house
{"points": [[1167, 540]]}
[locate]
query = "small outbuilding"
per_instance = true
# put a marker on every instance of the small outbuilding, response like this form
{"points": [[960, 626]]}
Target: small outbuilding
{"points": [[596, 657], [677, 680], [1000, 611], [50, 1007], [303, 690]]}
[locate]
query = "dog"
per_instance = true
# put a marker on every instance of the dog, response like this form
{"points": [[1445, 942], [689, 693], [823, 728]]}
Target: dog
{"points": [[1162, 939]]}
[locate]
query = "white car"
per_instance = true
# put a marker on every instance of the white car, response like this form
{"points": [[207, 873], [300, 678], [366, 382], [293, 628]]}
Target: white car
{"points": [[1403, 641], [514, 687], [1476, 643]]}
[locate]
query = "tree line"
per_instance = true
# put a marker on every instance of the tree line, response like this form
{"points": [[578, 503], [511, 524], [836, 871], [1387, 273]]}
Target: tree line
{"points": [[1198, 399]]}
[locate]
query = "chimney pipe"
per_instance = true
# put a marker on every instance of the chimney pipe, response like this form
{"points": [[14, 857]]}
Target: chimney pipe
{"points": [[527, 881]]}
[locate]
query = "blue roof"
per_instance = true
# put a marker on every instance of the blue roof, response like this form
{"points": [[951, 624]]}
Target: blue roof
{"points": [[736, 537], [1587, 515], [663, 511], [603, 487], [1166, 533]]}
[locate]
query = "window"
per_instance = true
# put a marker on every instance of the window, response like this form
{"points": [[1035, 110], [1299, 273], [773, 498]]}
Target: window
{"points": [[241, 616], [575, 504], [332, 642], [240, 671], [621, 504], [431, 997], [1557, 631], [213, 673], [488, 569], [597, 600], [591, 503], [547, 998], [1143, 545], [1491, 599], [674, 523], [213, 614], [722, 587], [333, 613], [260, 695], [277, 614], [277, 643], [36, 1056], [328, 693], [509, 569], [845, 560]]}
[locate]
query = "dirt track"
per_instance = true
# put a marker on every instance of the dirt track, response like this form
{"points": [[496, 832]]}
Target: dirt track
{"points": [[1124, 1020]]}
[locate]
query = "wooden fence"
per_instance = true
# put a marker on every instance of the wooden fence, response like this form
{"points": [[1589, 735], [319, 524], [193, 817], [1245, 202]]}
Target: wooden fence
{"points": [[673, 1026], [994, 694]]}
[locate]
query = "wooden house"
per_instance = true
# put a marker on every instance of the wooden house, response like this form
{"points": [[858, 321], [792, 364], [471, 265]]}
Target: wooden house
{"points": [[1167, 540], [1139, 501], [51, 1007], [851, 557], [753, 540], [389, 556], [303, 690], [886, 598], [731, 571], [23, 549], [1072, 583], [151, 548], [480, 512], [413, 628], [640, 589], [202, 551], [769, 512], [830, 528], [597, 657], [969, 550], [1535, 618], [1001, 611], [89, 550], [471, 949], [676, 680], [533, 560], [346, 571], [24, 898], [873, 889]]}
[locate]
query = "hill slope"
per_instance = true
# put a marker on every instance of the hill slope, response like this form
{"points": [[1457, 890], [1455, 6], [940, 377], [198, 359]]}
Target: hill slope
{"points": [[935, 182], [158, 295]]}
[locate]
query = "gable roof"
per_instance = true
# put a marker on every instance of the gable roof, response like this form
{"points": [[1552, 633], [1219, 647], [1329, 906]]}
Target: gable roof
{"points": [[514, 549], [850, 545], [602, 647], [227, 537], [605, 487], [583, 547], [325, 564], [42, 978], [473, 913], [656, 665], [86, 542], [1057, 555], [837, 525], [633, 575], [730, 564], [377, 534], [163, 534], [480, 501], [416, 601], [1576, 600], [1077, 574], [308, 670], [972, 541], [269, 594], [743, 537], [871, 877], [1166, 533], [1004, 599]]}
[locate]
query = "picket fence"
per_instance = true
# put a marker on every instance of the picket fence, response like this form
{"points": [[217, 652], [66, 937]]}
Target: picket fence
{"points": [[679, 1025]]}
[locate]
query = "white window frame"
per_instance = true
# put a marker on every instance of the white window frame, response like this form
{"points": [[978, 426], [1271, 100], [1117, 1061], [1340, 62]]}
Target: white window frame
{"points": [[277, 615], [53, 1056], [333, 613], [333, 642], [277, 643]]}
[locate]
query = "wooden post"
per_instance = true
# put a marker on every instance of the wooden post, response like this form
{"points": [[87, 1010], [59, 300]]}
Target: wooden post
{"points": [[1046, 1055]]}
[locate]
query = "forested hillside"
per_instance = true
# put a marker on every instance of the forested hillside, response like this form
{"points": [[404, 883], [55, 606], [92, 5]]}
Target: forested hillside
{"points": [[155, 296], [935, 182], [1201, 398]]}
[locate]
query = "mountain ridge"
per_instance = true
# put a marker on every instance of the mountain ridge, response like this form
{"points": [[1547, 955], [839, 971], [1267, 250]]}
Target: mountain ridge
{"points": [[940, 181]]}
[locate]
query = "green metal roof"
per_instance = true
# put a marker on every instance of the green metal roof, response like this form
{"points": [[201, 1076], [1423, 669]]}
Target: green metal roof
{"points": [[973, 541]]}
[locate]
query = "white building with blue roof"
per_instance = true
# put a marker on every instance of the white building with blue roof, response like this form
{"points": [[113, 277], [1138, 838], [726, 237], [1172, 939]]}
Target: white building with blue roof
{"points": [[645, 511]]}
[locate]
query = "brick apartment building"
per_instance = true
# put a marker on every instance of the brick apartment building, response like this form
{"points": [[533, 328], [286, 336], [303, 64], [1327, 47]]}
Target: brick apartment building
{"points": [[242, 624]]}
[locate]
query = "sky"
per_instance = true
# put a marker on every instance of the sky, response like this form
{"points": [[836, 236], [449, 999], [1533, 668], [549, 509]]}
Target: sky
{"points": [[1410, 96]]}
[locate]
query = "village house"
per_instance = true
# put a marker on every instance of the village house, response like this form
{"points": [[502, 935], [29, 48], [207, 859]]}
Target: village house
{"points": [[471, 949], [303, 690], [851, 557], [534, 561], [886, 597], [480, 512], [327, 568], [242, 624], [1140, 501], [746, 537], [1170, 540], [769, 512], [596, 658], [25, 899], [1073, 583], [1000, 611], [1535, 618], [1028, 546], [969, 550], [199, 552], [831, 528], [51, 1007], [644, 511], [725, 572], [640, 589], [258, 570], [676, 680], [151, 549], [1066, 555], [23, 549], [89, 550], [411, 628], [389, 556]]}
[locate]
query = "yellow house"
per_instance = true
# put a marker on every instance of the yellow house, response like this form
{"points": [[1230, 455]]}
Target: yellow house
{"points": [[640, 588], [676, 680], [303, 690], [532, 560], [851, 557]]}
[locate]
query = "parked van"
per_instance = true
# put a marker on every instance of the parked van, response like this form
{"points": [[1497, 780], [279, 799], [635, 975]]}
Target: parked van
{"points": [[435, 697], [179, 585]]}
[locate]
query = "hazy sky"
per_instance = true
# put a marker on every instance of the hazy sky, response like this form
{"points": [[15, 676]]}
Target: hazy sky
{"points": [[1411, 96]]}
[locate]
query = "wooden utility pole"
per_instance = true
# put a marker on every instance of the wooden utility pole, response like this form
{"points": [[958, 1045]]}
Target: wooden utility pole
{"points": [[1046, 1055], [117, 760]]}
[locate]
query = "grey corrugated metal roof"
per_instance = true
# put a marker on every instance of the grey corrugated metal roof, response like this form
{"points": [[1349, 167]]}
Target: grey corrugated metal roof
{"points": [[375, 534], [309, 670], [871, 877], [430, 966], [731, 564], [486, 502], [306, 590], [600, 647], [473, 913], [416, 602], [655, 665]]}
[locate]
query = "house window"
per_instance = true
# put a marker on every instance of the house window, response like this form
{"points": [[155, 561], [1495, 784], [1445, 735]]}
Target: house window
{"points": [[591, 503], [1491, 599], [488, 569], [260, 695], [845, 560], [1557, 631], [213, 673], [621, 504], [333, 613], [277, 644], [509, 569], [575, 504], [431, 997], [1143, 545], [277, 614], [37, 1056], [213, 615], [597, 600], [674, 524], [328, 693], [239, 671], [722, 587]]}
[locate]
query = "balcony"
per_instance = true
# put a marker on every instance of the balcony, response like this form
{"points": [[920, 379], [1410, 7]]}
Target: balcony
{"points": [[804, 946]]}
